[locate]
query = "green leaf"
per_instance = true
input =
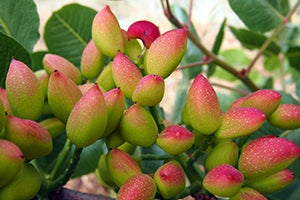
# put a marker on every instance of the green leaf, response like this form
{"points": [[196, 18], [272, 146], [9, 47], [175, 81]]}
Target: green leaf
{"points": [[253, 40], [289, 36], [298, 88], [282, 6], [20, 20], [257, 15], [235, 57], [68, 31], [293, 55], [193, 53], [288, 98], [10, 48], [216, 47], [150, 166], [37, 60], [89, 159], [271, 63]]}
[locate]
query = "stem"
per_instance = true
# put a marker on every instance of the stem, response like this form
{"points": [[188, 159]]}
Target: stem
{"points": [[272, 37], [156, 157], [64, 178], [194, 64], [226, 66], [61, 160], [159, 121], [231, 88]]}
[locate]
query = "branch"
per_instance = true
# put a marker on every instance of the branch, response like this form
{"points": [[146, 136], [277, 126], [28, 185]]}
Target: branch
{"points": [[226, 66], [272, 37], [66, 194]]}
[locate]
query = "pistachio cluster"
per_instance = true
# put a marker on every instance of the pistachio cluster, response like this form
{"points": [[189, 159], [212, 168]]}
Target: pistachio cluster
{"points": [[112, 101]]}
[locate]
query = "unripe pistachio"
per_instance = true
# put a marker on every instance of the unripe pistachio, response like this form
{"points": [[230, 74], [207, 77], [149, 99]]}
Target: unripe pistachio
{"points": [[239, 122], [11, 159], [265, 100], [237, 103], [203, 106], [25, 185], [138, 127], [184, 116], [144, 30], [166, 52], [115, 103], [31, 137], [133, 48], [149, 90], [127, 147], [272, 183], [223, 153], [54, 62], [4, 100], [92, 61], [43, 78], [138, 187], [286, 116], [114, 140], [267, 155], [170, 179], [121, 166], [247, 193], [175, 139], [223, 180], [53, 125], [106, 79], [126, 74], [88, 118], [23, 91], [106, 33], [85, 87], [104, 174], [63, 94]]}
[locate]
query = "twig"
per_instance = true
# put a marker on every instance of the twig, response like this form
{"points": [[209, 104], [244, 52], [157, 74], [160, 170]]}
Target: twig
{"points": [[272, 37], [231, 88], [66, 194], [194, 64], [226, 66]]}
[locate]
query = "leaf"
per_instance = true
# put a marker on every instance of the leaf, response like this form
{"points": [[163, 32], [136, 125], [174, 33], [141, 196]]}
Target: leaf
{"points": [[193, 53], [271, 63], [37, 60], [257, 15], [20, 20], [293, 55], [289, 36], [150, 166], [68, 31], [216, 47], [288, 98], [10, 48], [282, 6], [298, 88], [252, 40], [235, 57], [89, 159]]}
